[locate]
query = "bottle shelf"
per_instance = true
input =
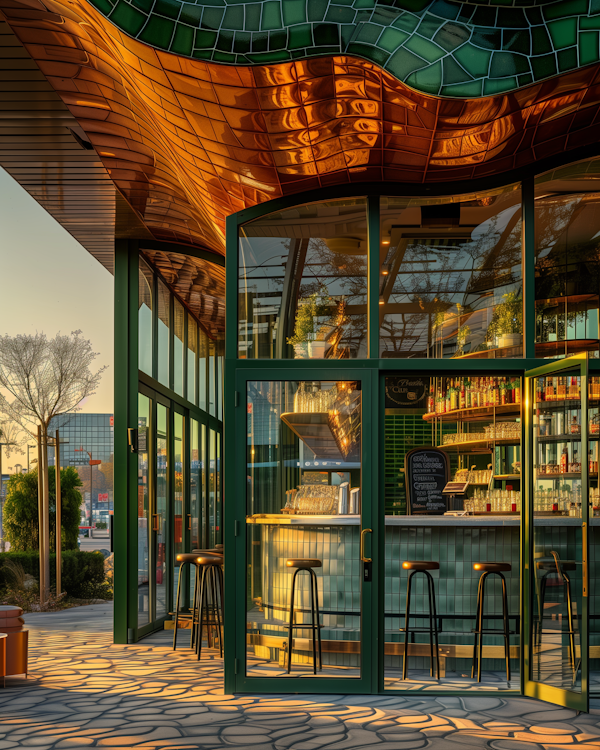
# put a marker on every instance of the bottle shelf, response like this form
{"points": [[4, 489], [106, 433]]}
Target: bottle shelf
{"points": [[508, 476], [475, 414], [477, 446], [566, 475], [565, 438]]}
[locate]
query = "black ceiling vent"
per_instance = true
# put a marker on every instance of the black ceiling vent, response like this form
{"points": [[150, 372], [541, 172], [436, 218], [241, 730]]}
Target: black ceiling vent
{"points": [[446, 215]]}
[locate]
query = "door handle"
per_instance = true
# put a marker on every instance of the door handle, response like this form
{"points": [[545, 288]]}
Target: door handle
{"points": [[362, 545], [155, 522], [189, 521]]}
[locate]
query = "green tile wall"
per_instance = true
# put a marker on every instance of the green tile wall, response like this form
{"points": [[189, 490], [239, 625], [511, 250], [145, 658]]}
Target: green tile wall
{"points": [[444, 48]]}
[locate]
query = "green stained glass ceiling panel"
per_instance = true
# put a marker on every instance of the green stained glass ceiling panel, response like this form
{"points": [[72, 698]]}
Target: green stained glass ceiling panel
{"points": [[467, 49]]}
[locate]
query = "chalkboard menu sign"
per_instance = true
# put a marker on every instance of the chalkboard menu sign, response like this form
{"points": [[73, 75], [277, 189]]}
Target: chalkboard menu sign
{"points": [[427, 473], [406, 392]]}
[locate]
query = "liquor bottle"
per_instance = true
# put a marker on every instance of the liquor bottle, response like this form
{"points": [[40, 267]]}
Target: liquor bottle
{"points": [[574, 426], [573, 388], [562, 388], [516, 391], [503, 392], [549, 389], [453, 396], [468, 395], [463, 395], [564, 461], [430, 403]]}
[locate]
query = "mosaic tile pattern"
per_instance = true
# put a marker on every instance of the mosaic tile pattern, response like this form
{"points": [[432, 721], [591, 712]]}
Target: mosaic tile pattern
{"points": [[443, 48], [86, 692]]}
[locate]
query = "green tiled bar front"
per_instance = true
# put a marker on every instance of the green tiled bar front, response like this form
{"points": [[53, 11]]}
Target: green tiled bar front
{"points": [[455, 543], [442, 48]]}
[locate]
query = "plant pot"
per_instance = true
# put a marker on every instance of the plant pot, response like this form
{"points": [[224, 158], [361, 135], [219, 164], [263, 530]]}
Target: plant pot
{"points": [[300, 351], [509, 339], [316, 349]]}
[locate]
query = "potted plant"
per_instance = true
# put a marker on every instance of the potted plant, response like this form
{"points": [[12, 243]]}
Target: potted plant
{"points": [[306, 341], [461, 339], [507, 321]]}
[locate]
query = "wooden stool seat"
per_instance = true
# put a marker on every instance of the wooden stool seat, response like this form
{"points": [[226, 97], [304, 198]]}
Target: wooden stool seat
{"points": [[492, 567], [420, 565], [186, 558], [303, 563]]}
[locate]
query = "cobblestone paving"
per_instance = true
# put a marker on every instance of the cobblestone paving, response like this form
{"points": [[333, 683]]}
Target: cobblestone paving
{"points": [[83, 691]]}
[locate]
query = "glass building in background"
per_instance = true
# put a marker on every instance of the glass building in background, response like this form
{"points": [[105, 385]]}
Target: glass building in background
{"points": [[88, 437], [356, 251]]}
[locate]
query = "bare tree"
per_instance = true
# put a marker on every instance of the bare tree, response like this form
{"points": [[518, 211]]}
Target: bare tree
{"points": [[39, 379]]}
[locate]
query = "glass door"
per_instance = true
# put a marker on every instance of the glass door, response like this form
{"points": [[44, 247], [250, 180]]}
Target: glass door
{"points": [[305, 493], [160, 518], [556, 534]]}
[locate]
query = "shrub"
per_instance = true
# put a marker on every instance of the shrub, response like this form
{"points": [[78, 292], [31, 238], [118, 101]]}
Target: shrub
{"points": [[81, 571], [20, 518]]}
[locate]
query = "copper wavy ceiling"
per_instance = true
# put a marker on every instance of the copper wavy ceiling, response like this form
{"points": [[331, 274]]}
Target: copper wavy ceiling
{"points": [[189, 142]]}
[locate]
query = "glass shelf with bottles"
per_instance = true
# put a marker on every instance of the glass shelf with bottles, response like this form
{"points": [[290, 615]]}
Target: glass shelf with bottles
{"points": [[473, 397], [561, 460], [552, 390]]}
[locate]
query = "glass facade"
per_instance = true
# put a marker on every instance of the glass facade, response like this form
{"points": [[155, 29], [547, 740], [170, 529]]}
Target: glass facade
{"points": [[179, 484], [400, 500], [453, 467]]}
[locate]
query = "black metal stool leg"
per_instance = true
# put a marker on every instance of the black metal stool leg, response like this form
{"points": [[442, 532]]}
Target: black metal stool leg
{"points": [[202, 611], [429, 582], [217, 611], [193, 633], [506, 629], [291, 622], [433, 613], [571, 622], [406, 621], [177, 599], [476, 641], [318, 622], [313, 616], [480, 654], [542, 604]]}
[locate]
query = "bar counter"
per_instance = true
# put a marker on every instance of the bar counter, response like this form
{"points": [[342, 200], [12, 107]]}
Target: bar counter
{"points": [[280, 519]]}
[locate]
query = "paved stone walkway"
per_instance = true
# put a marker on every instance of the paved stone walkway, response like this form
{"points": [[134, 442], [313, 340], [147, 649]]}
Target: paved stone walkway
{"points": [[86, 692]]}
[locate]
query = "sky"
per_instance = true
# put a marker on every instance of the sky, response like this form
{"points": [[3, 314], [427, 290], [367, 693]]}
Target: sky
{"points": [[50, 283]]}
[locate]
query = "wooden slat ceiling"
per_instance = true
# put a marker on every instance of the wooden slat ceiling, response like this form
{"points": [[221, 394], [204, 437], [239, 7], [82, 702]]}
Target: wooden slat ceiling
{"points": [[43, 147]]}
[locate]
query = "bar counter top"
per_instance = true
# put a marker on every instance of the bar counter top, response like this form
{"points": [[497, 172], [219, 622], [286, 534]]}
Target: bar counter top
{"points": [[283, 519]]}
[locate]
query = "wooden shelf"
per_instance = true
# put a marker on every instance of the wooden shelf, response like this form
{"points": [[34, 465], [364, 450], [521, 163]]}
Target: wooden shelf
{"points": [[314, 431], [567, 475], [567, 437], [470, 415], [476, 446], [507, 476]]}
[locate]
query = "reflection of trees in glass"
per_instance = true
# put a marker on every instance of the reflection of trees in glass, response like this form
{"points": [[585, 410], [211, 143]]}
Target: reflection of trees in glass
{"points": [[450, 278], [344, 277], [565, 269]]}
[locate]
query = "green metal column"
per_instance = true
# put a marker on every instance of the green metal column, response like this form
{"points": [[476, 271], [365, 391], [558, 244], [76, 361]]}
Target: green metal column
{"points": [[233, 662], [528, 266], [373, 276], [125, 462]]}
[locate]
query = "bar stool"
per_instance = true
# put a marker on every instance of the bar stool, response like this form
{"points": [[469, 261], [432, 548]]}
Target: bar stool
{"points": [[421, 566], [486, 569], [209, 582], [186, 558], [558, 567], [306, 564]]}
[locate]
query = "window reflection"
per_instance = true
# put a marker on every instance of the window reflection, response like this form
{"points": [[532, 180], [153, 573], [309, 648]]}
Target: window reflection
{"points": [[567, 241], [303, 283], [450, 276]]}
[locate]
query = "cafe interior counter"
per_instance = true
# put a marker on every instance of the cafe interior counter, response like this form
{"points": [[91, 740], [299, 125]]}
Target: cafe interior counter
{"points": [[280, 519]]}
